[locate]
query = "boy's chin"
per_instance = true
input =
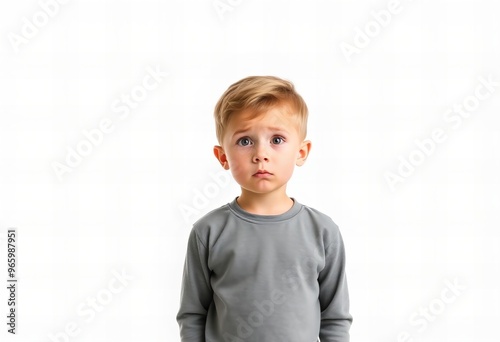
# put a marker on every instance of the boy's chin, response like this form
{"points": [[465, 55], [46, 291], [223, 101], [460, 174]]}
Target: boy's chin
{"points": [[264, 190]]}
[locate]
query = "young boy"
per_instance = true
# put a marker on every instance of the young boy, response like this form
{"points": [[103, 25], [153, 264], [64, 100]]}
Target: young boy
{"points": [[263, 267]]}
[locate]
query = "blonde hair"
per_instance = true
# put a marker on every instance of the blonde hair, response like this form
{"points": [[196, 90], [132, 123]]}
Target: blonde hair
{"points": [[259, 93]]}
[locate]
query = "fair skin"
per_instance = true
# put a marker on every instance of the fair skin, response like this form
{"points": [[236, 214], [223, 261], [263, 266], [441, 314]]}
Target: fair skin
{"points": [[261, 154]]}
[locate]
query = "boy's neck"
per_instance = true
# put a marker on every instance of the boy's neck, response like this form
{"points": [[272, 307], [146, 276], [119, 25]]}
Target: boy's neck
{"points": [[264, 204]]}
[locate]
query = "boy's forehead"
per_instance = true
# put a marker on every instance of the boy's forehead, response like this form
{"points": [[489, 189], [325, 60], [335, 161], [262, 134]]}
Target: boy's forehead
{"points": [[275, 117]]}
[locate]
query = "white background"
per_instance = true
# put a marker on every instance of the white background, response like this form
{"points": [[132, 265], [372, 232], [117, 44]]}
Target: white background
{"points": [[122, 209]]}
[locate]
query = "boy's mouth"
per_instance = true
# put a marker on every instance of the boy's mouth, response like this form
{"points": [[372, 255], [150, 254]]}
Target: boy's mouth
{"points": [[262, 173]]}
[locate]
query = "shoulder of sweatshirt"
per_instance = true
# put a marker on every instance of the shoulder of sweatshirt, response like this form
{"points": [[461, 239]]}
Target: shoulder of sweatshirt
{"points": [[210, 226], [325, 225]]}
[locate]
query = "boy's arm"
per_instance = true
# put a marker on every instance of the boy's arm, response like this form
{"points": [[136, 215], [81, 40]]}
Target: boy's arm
{"points": [[334, 296], [196, 293]]}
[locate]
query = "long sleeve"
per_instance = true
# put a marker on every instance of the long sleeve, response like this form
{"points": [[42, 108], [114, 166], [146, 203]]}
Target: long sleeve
{"points": [[196, 293], [334, 296]]}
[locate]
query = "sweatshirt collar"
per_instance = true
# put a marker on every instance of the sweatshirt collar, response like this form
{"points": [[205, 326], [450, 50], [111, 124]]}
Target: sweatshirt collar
{"points": [[294, 210]]}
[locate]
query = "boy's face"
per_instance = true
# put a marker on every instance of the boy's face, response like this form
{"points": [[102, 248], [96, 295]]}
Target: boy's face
{"points": [[262, 152]]}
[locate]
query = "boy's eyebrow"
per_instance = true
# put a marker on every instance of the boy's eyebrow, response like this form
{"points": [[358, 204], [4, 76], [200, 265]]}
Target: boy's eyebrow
{"points": [[278, 129]]}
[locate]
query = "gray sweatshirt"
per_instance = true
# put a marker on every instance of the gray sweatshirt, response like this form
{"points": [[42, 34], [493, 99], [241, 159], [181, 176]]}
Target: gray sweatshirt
{"points": [[264, 278]]}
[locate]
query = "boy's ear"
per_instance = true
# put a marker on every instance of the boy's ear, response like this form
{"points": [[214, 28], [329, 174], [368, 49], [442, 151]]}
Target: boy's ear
{"points": [[305, 148], [221, 156]]}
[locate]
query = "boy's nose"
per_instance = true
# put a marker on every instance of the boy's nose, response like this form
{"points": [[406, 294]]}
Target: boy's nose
{"points": [[257, 159], [260, 155]]}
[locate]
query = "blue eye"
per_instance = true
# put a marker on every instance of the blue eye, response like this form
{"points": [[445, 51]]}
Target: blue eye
{"points": [[278, 140], [243, 142]]}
